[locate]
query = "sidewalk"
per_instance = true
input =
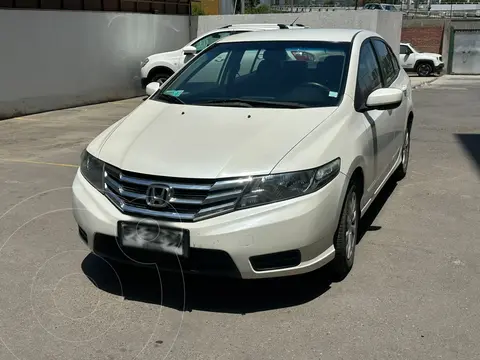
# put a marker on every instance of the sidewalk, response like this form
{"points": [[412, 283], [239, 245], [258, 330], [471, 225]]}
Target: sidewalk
{"points": [[418, 81]]}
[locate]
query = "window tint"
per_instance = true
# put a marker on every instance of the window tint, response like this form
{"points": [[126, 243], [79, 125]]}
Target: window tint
{"points": [[265, 71], [210, 39], [403, 49], [385, 62], [394, 59], [249, 62], [211, 71], [368, 77]]}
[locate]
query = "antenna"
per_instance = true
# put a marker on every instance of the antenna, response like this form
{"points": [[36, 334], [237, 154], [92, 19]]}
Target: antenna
{"points": [[294, 21]]}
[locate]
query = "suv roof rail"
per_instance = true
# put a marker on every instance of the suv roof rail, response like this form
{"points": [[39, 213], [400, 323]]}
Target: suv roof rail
{"points": [[264, 25]]}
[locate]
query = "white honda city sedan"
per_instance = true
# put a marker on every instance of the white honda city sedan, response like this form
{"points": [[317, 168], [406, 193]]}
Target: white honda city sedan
{"points": [[249, 162]]}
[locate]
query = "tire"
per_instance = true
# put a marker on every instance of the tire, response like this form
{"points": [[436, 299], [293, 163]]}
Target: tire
{"points": [[160, 76], [424, 69], [346, 236], [401, 170]]}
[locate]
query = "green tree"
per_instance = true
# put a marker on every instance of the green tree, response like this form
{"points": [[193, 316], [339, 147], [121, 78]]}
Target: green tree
{"points": [[197, 9]]}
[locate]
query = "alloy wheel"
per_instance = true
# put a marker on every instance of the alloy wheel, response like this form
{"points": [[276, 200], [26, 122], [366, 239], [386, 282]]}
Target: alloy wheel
{"points": [[352, 225]]}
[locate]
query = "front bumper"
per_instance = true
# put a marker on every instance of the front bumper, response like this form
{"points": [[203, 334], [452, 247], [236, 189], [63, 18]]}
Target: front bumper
{"points": [[439, 67], [297, 232]]}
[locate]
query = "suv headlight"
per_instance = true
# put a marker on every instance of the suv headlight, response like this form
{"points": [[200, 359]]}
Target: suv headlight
{"points": [[92, 169], [272, 188], [144, 62]]}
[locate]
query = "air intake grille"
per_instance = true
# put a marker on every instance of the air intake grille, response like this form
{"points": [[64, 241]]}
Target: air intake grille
{"points": [[190, 199]]}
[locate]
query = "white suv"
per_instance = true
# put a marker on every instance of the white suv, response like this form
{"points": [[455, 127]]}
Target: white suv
{"points": [[247, 166], [424, 64], [159, 67]]}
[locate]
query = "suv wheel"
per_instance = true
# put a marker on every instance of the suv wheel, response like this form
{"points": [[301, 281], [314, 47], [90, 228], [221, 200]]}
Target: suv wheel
{"points": [[424, 69], [161, 76], [346, 236]]}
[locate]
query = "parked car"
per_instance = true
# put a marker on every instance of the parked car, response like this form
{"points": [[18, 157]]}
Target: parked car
{"points": [[159, 67], [249, 168], [424, 64], [378, 6]]}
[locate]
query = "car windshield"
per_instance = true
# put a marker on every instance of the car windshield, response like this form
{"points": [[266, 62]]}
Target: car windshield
{"points": [[284, 74]]}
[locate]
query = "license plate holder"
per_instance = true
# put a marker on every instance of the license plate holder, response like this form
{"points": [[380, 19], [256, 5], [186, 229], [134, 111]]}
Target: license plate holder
{"points": [[152, 236]]}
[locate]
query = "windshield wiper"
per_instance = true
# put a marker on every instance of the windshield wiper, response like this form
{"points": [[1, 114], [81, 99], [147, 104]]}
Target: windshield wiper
{"points": [[169, 98], [253, 103]]}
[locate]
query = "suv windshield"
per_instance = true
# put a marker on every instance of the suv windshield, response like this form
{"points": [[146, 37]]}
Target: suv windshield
{"points": [[284, 74]]}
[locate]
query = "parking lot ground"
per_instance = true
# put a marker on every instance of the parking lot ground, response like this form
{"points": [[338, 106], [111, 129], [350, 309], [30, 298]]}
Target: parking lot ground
{"points": [[418, 81], [412, 294]]}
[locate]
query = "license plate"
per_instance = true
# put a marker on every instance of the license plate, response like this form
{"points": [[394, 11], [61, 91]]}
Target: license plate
{"points": [[154, 237]]}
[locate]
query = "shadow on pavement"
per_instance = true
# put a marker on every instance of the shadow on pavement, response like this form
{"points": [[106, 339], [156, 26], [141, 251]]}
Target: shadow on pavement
{"points": [[471, 144], [375, 208], [205, 293], [194, 292]]}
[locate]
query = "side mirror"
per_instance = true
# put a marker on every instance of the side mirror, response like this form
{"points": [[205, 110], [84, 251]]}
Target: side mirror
{"points": [[189, 50], [384, 99], [152, 88]]}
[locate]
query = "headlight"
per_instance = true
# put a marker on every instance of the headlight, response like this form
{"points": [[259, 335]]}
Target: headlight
{"points": [[272, 188], [144, 62], [92, 170]]}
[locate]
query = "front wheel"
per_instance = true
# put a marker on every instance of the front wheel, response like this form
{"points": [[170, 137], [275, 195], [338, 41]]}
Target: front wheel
{"points": [[161, 76], [424, 69], [346, 235]]}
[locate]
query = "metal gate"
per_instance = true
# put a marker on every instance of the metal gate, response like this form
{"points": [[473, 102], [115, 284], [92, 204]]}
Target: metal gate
{"points": [[465, 51]]}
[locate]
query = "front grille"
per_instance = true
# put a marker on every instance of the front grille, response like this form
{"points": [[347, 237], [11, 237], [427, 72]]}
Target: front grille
{"points": [[191, 199]]}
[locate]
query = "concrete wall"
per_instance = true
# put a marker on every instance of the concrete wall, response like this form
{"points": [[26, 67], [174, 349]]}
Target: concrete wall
{"points": [[387, 24], [57, 59]]}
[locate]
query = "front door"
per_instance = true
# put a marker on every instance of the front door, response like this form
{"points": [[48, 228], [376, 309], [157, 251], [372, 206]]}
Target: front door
{"points": [[379, 122], [392, 78], [203, 43], [406, 57]]}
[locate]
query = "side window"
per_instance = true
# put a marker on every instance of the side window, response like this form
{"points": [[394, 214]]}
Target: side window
{"points": [[385, 62], [210, 39], [247, 62], [211, 71], [394, 59], [368, 76], [403, 49]]}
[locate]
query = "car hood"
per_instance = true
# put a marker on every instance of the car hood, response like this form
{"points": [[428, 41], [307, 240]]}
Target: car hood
{"points": [[164, 55], [204, 141], [431, 54]]}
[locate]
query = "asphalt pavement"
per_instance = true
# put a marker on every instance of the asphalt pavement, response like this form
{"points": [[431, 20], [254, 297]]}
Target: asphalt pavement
{"points": [[412, 294]]}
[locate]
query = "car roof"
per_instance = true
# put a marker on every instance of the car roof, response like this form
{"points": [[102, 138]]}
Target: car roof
{"points": [[331, 35]]}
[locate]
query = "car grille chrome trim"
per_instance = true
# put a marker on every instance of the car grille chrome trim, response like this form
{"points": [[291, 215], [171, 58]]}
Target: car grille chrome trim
{"points": [[192, 199]]}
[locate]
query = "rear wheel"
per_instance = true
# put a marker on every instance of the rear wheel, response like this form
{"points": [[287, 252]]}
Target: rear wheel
{"points": [[346, 235], [424, 69], [401, 171]]}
